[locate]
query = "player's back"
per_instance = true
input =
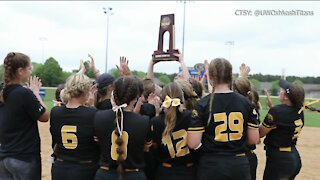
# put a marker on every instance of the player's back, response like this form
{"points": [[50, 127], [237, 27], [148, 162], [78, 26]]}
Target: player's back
{"points": [[136, 131], [227, 130], [72, 130]]}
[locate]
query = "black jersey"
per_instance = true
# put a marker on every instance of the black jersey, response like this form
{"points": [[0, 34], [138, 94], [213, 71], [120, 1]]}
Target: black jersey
{"points": [[73, 132], [231, 116], [172, 149], [286, 125], [257, 120], [19, 135], [104, 105], [136, 131]]}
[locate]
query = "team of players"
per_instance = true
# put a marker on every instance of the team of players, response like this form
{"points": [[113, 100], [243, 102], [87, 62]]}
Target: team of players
{"points": [[180, 135]]}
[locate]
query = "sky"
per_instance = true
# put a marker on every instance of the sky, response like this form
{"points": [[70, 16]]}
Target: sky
{"points": [[69, 30]]}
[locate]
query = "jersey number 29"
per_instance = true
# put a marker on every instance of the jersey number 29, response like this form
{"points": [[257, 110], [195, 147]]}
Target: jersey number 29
{"points": [[234, 122]]}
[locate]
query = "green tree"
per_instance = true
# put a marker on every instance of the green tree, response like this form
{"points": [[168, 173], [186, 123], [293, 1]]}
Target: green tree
{"points": [[114, 72], [256, 84], [275, 88], [298, 81], [164, 79], [50, 73], [139, 74]]}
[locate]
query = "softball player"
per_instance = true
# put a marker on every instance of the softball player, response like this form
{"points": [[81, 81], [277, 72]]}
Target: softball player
{"points": [[71, 126], [122, 134], [282, 126], [170, 137], [222, 125], [21, 108], [242, 85]]}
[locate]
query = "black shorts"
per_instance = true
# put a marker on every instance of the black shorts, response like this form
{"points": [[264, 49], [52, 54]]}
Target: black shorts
{"points": [[113, 175], [73, 171], [223, 167], [289, 161], [253, 161], [176, 172]]}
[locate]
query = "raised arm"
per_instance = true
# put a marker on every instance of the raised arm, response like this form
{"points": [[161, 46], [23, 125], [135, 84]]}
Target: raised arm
{"points": [[150, 75], [93, 67], [206, 65], [268, 99], [185, 71], [34, 85]]}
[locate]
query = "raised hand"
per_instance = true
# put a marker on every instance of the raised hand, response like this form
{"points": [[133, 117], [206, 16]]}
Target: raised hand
{"points": [[155, 100], [244, 70], [34, 84], [92, 66], [82, 68], [124, 67]]}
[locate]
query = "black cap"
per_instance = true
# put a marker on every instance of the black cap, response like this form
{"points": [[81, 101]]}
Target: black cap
{"points": [[104, 80], [285, 85]]}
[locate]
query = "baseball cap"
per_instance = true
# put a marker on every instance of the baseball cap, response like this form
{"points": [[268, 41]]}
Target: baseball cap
{"points": [[104, 80], [285, 85]]}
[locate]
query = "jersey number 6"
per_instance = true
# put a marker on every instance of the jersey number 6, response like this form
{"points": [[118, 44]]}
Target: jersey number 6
{"points": [[69, 138]]}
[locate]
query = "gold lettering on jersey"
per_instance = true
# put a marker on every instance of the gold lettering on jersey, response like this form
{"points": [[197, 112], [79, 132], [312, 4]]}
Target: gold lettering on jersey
{"points": [[69, 138], [181, 148], [123, 147], [235, 124], [298, 128], [270, 118], [220, 131]]}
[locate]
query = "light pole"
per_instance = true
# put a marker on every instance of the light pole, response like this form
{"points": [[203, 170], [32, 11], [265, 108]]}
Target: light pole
{"points": [[43, 39], [230, 43], [184, 23], [108, 12]]}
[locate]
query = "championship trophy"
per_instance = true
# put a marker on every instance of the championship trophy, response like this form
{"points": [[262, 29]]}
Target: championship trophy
{"points": [[166, 24]]}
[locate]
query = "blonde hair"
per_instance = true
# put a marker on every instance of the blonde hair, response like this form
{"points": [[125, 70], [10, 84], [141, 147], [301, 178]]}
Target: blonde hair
{"points": [[75, 86], [173, 91]]}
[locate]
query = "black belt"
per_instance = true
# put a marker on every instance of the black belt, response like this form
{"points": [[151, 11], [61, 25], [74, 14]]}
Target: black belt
{"points": [[107, 168], [81, 162], [169, 165]]}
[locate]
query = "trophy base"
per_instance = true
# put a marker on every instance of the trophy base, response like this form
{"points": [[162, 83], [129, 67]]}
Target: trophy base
{"points": [[165, 56]]}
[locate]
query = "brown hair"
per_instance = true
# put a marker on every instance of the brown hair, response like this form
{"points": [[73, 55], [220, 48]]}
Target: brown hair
{"points": [[126, 89], [148, 87], [58, 91], [188, 93], [173, 91], [12, 62], [255, 98], [243, 86], [296, 96], [220, 71], [197, 86]]}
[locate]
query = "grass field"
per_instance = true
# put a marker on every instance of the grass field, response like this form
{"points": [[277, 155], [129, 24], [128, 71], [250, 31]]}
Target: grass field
{"points": [[312, 119]]}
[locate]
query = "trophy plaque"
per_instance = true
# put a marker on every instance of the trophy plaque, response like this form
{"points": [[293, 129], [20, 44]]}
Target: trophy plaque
{"points": [[166, 25]]}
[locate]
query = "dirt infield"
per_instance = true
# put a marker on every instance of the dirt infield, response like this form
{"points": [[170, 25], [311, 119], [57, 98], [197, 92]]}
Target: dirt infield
{"points": [[308, 146]]}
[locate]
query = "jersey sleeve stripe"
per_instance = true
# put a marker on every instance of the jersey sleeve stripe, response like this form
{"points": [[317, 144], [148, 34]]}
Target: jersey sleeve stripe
{"points": [[198, 131], [267, 126], [252, 125], [195, 128]]}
